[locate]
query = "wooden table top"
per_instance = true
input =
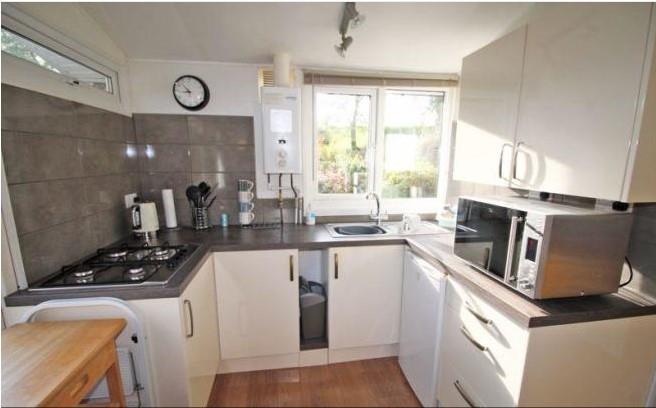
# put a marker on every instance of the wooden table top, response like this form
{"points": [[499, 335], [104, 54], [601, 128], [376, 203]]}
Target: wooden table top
{"points": [[39, 358]]}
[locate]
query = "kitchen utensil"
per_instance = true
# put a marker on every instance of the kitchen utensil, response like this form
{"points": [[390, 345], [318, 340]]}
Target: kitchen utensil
{"points": [[194, 195], [200, 218], [211, 202]]}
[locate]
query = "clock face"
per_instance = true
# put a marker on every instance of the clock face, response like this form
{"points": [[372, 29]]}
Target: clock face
{"points": [[191, 92]]}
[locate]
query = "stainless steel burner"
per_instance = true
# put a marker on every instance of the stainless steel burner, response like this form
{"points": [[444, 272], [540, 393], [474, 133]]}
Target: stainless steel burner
{"points": [[163, 254], [87, 279], [136, 277], [136, 270], [83, 273], [117, 254]]}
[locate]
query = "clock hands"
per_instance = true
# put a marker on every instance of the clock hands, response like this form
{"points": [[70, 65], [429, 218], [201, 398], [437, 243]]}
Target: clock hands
{"points": [[186, 89]]}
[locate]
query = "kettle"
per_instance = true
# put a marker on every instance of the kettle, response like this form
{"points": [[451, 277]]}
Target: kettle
{"points": [[144, 219]]}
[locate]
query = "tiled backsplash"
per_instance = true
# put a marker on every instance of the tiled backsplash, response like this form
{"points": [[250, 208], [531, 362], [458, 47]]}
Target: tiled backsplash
{"points": [[68, 167], [177, 150]]}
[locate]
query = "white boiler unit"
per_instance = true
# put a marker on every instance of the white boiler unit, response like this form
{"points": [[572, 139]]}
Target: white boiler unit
{"points": [[281, 133]]}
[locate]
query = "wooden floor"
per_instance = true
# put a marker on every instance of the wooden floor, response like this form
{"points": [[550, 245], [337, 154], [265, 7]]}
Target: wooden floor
{"points": [[378, 382]]}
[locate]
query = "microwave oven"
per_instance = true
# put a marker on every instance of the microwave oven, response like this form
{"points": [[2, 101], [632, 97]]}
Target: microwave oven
{"points": [[543, 249]]}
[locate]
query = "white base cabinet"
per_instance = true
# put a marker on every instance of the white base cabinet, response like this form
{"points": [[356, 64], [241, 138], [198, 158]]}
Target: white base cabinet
{"points": [[486, 359], [364, 295], [258, 304]]}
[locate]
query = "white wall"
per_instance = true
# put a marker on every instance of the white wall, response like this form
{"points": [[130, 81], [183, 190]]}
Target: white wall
{"points": [[233, 87]]}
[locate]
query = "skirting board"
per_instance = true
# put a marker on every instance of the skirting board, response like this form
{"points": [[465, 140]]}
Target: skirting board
{"points": [[362, 353], [307, 358]]}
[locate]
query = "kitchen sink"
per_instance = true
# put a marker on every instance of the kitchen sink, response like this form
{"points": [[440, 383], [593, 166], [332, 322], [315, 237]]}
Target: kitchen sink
{"points": [[358, 229]]}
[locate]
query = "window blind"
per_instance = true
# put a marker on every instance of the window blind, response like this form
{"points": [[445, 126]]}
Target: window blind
{"points": [[318, 78]]}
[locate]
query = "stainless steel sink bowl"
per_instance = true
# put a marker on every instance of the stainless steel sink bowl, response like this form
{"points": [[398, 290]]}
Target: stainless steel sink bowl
{"points": [[359, 229], [362, 229]]}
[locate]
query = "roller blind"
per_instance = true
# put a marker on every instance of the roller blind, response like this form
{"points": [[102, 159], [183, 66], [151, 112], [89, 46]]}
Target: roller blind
{"points": [[317, 78]]}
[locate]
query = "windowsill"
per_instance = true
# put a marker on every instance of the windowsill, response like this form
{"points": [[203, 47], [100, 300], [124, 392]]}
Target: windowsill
{"points": [[361, 206]]}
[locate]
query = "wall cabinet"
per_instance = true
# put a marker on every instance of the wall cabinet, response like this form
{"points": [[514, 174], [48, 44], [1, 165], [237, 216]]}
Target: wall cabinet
{"points": [[364, 295], [486, 359], [586, 117], [487, 119], [257, 293]]}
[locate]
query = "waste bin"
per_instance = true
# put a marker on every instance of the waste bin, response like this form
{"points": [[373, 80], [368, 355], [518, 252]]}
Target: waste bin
{"points": [[313, 309]]}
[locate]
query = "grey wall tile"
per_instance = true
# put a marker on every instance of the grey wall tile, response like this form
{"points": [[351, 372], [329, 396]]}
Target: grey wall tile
{"points": [[44, 204], [221, 130], [96, 123], [128, 129], [225, 184], [111, 226], [100, 157], [151, 128], [214, 159], [107, 192], [164, 158], [152, 184], [31, 157], [29, 111], [45, 252]]}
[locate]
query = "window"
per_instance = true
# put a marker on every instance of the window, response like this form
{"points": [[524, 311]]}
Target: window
{"points": [[72, 71], [412, 133], [343, 123], [394, 153]]}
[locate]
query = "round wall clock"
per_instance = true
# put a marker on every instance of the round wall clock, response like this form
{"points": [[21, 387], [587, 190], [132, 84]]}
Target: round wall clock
{"points": [[191, 92]]}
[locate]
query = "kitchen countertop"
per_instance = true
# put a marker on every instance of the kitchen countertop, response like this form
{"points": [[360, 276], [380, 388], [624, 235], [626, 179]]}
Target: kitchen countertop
{"points": [[436, 248]]}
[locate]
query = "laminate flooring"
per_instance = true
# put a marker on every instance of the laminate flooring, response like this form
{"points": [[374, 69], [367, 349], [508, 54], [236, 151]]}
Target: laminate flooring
{"points": [[371, 383]]}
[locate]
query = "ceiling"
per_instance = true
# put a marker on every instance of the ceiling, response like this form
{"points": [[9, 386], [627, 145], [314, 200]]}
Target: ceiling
{"points": [[412, 37]]}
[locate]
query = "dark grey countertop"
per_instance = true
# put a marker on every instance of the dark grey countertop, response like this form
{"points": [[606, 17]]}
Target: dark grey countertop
{"points": [[435, 248]]}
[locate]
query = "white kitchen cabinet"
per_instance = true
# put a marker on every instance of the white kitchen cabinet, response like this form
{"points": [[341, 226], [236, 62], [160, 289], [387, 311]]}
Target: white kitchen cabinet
{"points": [[364, 295], [586, 116], [200, 328], [487, 359], [258, 309], [580, 90], [487, 118]]}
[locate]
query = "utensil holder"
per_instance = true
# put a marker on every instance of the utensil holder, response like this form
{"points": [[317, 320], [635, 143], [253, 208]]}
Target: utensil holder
{"points": [[200, 218]]}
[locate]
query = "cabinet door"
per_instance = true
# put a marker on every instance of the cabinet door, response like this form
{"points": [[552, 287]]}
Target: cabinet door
{"points": [[198, 303], [257, 293], [489, 97], [579, 96], [364, 295]]}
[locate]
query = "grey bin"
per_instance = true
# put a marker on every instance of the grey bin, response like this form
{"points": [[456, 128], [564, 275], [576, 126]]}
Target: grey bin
{"points": [[313, 310]]}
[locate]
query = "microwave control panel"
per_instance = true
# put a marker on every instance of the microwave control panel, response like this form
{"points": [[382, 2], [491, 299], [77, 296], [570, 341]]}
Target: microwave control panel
{"points": [[529, 256]]}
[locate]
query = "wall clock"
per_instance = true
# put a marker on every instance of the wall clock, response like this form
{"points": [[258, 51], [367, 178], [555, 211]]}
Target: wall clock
{"points": [[191, 92]]}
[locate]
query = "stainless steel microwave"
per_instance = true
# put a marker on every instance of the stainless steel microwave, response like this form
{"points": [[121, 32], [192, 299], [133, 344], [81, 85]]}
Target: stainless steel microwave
{"points": [[542, 249]]}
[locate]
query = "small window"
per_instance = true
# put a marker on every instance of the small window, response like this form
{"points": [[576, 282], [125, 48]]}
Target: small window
{"points": [[72, 71], [343, 135], [412, 134]]}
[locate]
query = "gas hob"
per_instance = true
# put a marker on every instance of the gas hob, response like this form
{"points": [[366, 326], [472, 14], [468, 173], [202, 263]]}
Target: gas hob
{"points": [[124, 265]]}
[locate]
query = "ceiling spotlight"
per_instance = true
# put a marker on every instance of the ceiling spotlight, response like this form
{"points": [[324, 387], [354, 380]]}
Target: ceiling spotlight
{"points": [[341, 48], [350, 18]]}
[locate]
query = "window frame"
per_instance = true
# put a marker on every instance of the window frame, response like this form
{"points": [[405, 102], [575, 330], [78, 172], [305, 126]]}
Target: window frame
{"points": [[356, 204], [32, 76]]}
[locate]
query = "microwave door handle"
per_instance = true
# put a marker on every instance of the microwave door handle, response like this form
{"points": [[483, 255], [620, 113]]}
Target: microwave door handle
{"points": [[514, 221]]}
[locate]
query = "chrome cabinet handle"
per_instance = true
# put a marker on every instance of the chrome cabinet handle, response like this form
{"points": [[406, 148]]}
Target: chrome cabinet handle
{"points": [[503, 148], [514, 162], [463, 393], [469, 337], [191, 317], [291, 268], [477, 315], [336, 266]]}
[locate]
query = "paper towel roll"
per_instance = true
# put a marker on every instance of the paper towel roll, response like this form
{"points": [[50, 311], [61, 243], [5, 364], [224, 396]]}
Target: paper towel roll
{"points": [[169, 208]]}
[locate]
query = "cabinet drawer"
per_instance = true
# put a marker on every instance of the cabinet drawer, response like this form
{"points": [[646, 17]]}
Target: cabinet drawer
{"points": [[485, 348]]}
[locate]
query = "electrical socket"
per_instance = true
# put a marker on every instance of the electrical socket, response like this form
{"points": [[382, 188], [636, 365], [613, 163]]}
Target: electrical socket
{"points": [[129, 199]]}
